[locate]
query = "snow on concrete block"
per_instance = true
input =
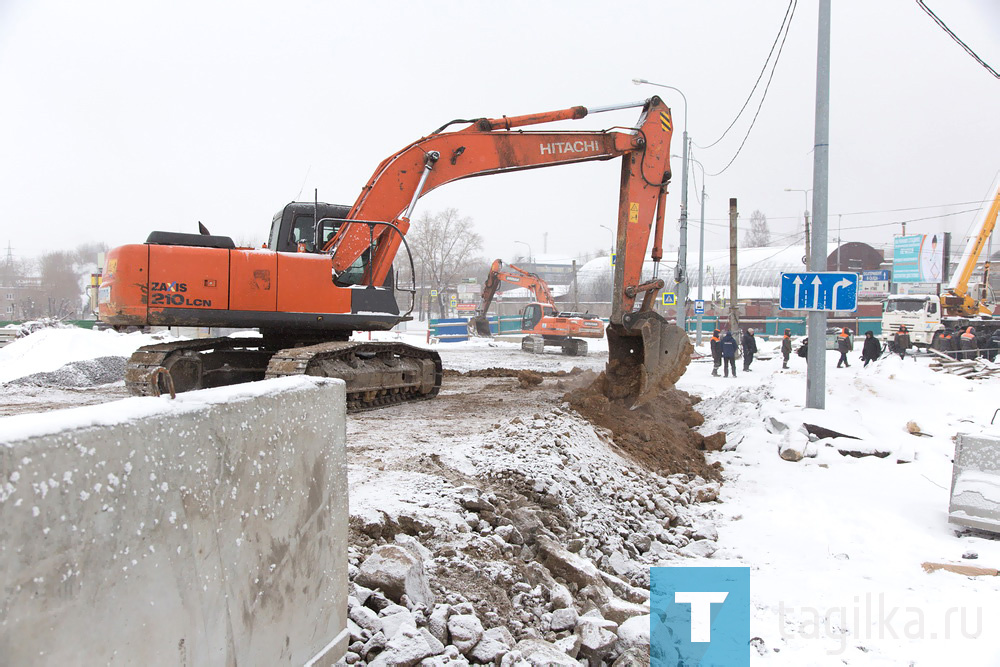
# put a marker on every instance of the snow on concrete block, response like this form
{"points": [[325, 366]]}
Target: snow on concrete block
{"points": [[634, 634], [406, 649], [565, 564], [437, 624], [397, 572], [700, 549], [365, 618], [540, 653], [466, 630], [619, 611], [563, 619], [394, 623], [494, 643]]}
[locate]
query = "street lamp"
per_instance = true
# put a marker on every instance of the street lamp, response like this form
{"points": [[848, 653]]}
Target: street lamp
{"points": [[680, 276], [805, 193], [529, 252], [701, 250], [612, 237]]}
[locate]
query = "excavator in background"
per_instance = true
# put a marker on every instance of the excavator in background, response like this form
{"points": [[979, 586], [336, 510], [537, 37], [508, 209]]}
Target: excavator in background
{"points": [[929, 318], [541, 322], [327, 270]]}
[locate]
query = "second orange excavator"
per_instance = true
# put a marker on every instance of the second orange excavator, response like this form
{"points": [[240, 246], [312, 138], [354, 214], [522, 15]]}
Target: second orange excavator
{"points": [[541, 322]]}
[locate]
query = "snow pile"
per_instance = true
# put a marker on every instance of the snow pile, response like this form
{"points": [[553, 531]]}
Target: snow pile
{"points": [[49, 349]]}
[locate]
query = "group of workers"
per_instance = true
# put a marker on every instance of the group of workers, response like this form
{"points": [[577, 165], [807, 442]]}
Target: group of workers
{"points": [[724, 347]]}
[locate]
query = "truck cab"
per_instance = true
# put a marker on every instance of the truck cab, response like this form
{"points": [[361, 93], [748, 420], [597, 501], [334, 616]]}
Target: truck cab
{"points": [[920, 313]]}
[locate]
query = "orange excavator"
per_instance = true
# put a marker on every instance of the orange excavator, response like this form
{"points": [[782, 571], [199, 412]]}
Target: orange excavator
{"points": [[326, 271], [541, 322]]}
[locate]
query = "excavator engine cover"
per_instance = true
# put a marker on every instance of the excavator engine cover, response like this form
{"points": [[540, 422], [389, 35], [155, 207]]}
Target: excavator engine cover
{"points": [[645, 354]]}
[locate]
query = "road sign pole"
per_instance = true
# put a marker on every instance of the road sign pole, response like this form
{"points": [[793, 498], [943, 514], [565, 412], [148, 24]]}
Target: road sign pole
{"points": [[816, 375]]}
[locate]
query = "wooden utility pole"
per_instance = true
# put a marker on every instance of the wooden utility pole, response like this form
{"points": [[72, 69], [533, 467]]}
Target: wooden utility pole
{"points": [[576, 295], [734, 315]]}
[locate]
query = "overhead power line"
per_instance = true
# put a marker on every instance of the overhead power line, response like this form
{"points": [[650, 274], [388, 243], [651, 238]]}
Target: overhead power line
{"points": [[763, 96], [957, 39], [760, 76]]}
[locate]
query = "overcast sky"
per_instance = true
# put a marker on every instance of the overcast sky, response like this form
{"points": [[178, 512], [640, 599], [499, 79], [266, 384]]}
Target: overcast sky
{"points": [[120, 118]]}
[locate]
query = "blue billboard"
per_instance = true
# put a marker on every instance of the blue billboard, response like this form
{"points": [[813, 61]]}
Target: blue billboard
{"points": [[918, 258]]}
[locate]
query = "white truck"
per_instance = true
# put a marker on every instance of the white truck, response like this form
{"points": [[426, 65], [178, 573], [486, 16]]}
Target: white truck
{"points": [[921, 313]]}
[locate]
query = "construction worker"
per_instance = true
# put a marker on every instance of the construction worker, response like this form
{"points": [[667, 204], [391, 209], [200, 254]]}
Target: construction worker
{"points": [[871, 350], [901, 341], [729, 346], [716, 345], [786, 347], [749, 349], [970, 348], [844, 345]]}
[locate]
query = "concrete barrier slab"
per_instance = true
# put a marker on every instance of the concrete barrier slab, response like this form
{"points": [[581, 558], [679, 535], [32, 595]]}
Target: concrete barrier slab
{"points": [[206, 530]]}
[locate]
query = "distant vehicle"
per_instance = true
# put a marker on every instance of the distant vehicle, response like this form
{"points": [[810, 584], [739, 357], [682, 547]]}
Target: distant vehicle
{"points": [[928, 316]]}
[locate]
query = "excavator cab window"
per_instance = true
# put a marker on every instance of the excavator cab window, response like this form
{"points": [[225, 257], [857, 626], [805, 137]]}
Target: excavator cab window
{"points": [[303, 233], [531, 317]]}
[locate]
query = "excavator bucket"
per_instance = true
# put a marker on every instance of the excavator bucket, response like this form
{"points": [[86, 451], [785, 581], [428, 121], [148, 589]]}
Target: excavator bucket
{"points": [[480, 326], [645, 355]]}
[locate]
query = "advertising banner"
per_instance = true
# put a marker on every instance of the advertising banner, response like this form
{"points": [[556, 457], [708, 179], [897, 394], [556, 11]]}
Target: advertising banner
{"points": [[918, 258]]}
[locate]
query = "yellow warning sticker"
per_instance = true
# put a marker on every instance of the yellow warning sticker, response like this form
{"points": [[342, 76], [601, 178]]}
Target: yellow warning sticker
{"points": [[633, 212], [665, 122]]}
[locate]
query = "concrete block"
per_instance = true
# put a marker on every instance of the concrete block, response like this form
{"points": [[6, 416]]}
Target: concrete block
{"points": [[209, 529]]}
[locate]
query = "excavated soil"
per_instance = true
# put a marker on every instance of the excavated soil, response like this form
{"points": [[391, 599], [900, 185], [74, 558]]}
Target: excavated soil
{"points": [[494, 372], [659, 434]]}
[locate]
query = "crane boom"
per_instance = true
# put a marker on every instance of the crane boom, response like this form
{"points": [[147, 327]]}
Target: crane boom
{"points": [[958, 300]]}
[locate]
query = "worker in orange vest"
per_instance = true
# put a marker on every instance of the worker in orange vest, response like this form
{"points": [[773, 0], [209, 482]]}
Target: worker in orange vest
{"points": [[786, 347], [716, 345], [970, 348], [844, 345]]}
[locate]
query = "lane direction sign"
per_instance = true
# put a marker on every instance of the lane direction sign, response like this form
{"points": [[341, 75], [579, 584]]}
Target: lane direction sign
{"points": [[825, 291]]}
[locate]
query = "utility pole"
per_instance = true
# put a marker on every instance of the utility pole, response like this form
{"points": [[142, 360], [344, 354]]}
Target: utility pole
{"points": [[681, 273], [701, 256], [576, 295], [807, 235], [816, 375], [734, 315]]}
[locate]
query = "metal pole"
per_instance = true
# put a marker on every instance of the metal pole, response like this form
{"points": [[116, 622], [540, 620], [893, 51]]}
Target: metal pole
{"points": [[816, 376], [681, 277], [734, 314], [701, 258]]}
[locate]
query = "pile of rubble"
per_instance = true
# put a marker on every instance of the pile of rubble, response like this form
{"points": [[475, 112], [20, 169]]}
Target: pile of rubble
{"points": [[974, 369], [534, 548]]}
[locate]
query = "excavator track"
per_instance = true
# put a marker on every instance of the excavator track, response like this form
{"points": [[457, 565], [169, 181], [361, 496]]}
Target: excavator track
{"points": [[377, 374], [195, 364]]}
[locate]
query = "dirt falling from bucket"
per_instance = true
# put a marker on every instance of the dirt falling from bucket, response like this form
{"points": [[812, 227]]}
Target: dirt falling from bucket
{"points": [[659, 434]]}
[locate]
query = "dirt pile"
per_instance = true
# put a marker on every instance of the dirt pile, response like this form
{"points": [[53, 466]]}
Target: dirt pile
{"points": [[510, 373], [659, 434]]}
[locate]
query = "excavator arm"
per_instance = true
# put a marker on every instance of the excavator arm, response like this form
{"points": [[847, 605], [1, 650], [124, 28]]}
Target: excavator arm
{"points": [[640, 341], [515, 276]]}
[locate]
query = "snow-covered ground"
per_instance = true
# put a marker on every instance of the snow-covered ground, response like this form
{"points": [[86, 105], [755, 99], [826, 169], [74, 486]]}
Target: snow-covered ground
{"points": [[835, 543]]}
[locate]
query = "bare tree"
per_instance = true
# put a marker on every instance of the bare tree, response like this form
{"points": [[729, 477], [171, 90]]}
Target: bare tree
{"points": [[758, 235], [445, 248]]}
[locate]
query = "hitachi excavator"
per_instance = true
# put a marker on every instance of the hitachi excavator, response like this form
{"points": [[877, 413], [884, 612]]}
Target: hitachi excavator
{"points": [[327, 270], [541, 322]]}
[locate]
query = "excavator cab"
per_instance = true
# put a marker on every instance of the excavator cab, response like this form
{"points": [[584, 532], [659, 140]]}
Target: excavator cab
{"points": [[531, 316]]}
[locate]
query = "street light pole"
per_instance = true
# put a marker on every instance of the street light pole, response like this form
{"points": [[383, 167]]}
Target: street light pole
{"points": [[805, 194], [680, 273], [701, 251], [612, 237], [529, 252]]}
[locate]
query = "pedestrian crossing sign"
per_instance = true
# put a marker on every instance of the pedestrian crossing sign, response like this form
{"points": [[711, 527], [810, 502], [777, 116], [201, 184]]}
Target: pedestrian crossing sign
{"points": [[669, 299]]}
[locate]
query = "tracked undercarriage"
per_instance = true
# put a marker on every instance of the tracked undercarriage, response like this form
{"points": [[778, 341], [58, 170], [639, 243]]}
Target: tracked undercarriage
{"points": [[377, 374]]}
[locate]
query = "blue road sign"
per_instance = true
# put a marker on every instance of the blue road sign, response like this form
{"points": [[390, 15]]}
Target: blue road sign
{"points": [[819, 291], [669, 299], [699, 307]]}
